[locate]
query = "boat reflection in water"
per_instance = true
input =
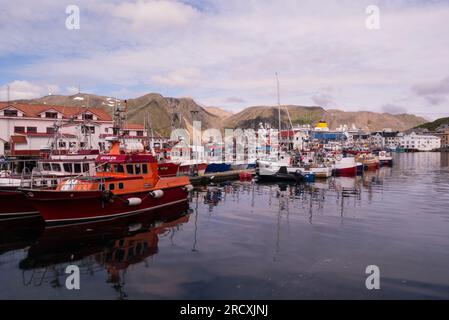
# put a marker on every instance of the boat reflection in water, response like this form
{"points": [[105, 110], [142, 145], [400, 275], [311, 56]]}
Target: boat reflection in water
{"points": [[105, 245], [16, 234]]}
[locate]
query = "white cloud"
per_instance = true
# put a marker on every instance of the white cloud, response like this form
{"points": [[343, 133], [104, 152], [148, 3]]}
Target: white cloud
{"points": [[435, 92], [183, 77], [233, 49], [20, 89], [323, 99], [155, 14]]}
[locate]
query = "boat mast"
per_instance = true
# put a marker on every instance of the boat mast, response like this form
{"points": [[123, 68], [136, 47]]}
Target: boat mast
{"points": [[279, 102]]}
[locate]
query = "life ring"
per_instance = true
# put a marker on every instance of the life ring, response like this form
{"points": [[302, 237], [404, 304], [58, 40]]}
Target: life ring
{"points": [[338, 157], [382, 154]]}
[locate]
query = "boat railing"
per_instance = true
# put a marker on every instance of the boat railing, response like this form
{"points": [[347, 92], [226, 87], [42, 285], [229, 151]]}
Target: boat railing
{"points": [[36, 179], [25, 178]]}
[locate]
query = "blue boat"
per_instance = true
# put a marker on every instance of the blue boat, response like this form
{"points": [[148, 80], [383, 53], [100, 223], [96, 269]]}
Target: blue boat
{"points": [[218, 167]]}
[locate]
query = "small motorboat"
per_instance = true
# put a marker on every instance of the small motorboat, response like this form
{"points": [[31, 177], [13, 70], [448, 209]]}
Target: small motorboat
{"points": [[369, 161], [281, 170], [345, 167], [385, 158]]}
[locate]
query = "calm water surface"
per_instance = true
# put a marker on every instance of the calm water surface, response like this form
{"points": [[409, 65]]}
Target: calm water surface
{"points": [[244, 240]]}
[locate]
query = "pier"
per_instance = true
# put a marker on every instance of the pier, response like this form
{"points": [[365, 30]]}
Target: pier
{"points": [[220, 176]]}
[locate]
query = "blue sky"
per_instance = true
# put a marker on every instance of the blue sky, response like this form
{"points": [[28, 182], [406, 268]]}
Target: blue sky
{"points": [[225, 53]]}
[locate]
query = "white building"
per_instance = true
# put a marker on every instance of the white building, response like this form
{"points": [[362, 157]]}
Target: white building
{"points": [[26, 129], [420, 142]]}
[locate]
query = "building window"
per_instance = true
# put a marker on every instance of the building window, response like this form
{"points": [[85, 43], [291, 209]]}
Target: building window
{"points": [[32, 129], [10, 113], [52, 115], [88, 116], [50, 130], [88, 129], [19, 129]]}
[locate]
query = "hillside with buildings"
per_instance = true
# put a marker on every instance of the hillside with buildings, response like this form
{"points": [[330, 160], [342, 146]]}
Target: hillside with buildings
{"points": [[437, 125], [299, 115]]}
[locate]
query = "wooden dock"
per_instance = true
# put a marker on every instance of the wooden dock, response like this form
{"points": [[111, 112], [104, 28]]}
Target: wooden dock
{"points": [[220, 176]]}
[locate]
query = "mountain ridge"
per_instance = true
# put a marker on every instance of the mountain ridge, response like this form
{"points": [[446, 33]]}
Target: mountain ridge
{"points": [[166, 112]]}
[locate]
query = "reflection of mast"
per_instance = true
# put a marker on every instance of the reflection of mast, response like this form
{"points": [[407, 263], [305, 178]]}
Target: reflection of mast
{"points": [[196, 223]]}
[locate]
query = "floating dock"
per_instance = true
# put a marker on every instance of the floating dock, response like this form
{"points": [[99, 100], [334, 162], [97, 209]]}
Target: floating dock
{"points": [[220, 176]]}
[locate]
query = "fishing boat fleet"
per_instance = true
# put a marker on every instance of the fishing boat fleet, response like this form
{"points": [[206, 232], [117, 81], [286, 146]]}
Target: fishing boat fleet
{"points": [[87, 185], [310, 165]]}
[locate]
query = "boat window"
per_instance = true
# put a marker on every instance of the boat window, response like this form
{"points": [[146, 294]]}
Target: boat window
{"points": [[144, 168], [77, 167], [105, 167], [85, 167], [68, 167], [130, 168], [56, 167], [46, 166], [137, 169], [121, 185], [101, 186], [111, 186], [119, 168]]}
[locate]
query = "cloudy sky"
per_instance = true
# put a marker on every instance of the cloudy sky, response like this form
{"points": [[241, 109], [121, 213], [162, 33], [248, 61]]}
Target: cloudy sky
{"points": [[226, 53]]}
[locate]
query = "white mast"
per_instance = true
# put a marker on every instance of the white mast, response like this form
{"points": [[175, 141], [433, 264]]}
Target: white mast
{"points": [[279, 102]]}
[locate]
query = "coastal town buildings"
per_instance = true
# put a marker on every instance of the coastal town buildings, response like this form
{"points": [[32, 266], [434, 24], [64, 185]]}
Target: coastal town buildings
{"points": [[420, 142], [444, 136], [25, 129]]}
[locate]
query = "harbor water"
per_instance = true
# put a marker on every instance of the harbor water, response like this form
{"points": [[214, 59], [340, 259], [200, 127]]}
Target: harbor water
{"points": [[248, 240]]}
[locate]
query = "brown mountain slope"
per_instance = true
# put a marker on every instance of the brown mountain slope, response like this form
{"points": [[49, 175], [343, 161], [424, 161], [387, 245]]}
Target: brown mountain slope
{"points": [[223, 114], [371, 121], [162, 110]]}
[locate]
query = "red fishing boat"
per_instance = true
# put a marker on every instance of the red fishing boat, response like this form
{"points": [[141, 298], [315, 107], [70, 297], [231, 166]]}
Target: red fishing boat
{"points": [[168, 169], [345, 167], [124, 184]]}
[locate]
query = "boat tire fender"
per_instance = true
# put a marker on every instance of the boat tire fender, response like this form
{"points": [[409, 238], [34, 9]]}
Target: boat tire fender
{"points": [[157, 194], [133, 201], [188, 188]]}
